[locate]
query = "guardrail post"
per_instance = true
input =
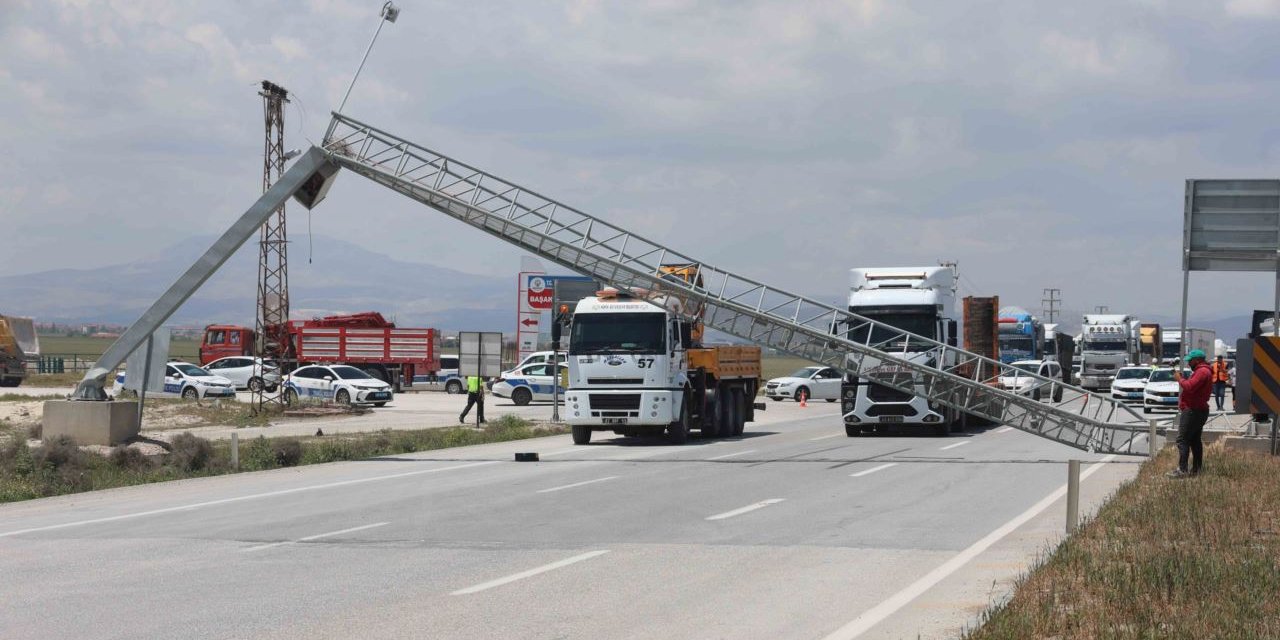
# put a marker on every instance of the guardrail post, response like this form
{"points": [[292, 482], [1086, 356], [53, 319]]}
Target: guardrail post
{"points": [[1073, 495], [1151, 439], [235, 451]]}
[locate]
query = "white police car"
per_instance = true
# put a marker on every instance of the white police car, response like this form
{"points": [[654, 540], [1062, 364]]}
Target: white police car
{"points": [[186, 380], [1129, 383], [1162, 391], [528, 383], [247, 373], [340, 383]]}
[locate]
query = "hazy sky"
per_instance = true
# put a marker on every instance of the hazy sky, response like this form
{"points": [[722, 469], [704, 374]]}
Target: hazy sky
{"points": [[1040, 144]]}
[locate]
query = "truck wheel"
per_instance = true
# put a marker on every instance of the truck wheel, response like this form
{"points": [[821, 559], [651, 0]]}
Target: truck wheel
{"points": [[190, 393], [724, 416], [521, 396], [739, 411], [343, 397], [581, 434], [1057, 393], [711, 425], [453, 386], [678, 431]]}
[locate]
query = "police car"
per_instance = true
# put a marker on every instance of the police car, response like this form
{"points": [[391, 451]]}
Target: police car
{"points": [[1162, 391], [528, 383], [340, 383], [186, 380]]}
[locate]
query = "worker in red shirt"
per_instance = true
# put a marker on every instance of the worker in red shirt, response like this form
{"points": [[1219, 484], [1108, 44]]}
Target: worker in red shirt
{"points": [[1193, 412]]}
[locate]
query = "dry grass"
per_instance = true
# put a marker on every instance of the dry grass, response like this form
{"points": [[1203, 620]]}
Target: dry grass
{"points": [[69, 379], [1165, 558]]}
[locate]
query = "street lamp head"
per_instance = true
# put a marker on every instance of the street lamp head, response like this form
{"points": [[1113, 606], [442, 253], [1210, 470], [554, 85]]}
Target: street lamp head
{"points": [[390, 11]]}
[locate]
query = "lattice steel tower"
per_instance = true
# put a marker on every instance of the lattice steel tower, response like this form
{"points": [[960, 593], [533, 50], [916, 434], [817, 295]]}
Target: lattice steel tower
{"points": [[273, 250]]}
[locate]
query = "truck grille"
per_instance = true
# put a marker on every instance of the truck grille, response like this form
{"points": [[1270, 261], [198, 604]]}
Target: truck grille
{"points": [[615, 381], [878, 393], [905, 410], [614, 401]]}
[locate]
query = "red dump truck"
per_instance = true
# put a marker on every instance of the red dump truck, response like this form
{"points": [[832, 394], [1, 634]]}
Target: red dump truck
{"points": [[366, 340]]}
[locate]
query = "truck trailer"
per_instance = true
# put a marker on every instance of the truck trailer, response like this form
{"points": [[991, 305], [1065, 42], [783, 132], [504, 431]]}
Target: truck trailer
{"points": [[1021, 335], [367, 341], [18, 344]]}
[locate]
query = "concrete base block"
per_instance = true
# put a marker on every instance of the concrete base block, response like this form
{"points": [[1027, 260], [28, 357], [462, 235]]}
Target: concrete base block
{"points": [[1247, 443], [87, 422]]}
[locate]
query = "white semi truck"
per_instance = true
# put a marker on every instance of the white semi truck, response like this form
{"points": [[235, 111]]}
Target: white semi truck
{"points": [[921, 300], [1108, 342], [638, 367], [1202, 339]]}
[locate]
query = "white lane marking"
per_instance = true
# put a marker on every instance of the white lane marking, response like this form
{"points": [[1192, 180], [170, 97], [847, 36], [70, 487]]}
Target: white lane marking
{"points": [[530, 573], [1004, 429], [577, 484], [747, 509], [878, 613], [872, 470], [952, 446], [317, 536], [252, 496], [732, 455], [834, 435]]}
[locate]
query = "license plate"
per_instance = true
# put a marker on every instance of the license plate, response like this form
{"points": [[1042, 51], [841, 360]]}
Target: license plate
{"points": [[890, 418], [614, 420]]}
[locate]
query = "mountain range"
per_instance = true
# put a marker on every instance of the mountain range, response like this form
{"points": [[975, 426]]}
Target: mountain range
{"points": [[339, 277]]}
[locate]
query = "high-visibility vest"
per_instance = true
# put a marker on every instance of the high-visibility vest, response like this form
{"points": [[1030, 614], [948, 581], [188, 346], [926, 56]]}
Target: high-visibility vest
{"points": [[1220, 372], [473, 384]]}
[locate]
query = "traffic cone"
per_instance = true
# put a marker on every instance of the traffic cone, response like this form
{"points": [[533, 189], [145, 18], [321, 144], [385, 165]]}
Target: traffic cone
{"points": [[803, 396]]}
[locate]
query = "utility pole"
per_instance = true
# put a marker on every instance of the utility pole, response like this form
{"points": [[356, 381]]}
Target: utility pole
{"points": [[273, 251], [1052, 302], [1102, 308]]}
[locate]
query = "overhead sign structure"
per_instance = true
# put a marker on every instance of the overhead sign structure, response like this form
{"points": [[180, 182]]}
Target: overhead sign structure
{"points": [[1230, 225], [480, 354]]}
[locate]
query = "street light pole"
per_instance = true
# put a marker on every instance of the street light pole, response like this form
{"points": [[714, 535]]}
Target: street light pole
{"points": [[389, 14]]}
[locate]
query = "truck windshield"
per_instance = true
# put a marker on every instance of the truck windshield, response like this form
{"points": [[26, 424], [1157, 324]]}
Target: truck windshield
{"points": [[1016, 343], [917, 322], [611, 332], [1104, 345]]}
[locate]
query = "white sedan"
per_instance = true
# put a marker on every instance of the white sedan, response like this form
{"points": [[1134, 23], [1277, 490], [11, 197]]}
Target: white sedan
{"points": [[1162, 391], [814, 383], [339, 383], [528, 383], [247, 373], [1026, 385], [1130, 383], [185, 380]]}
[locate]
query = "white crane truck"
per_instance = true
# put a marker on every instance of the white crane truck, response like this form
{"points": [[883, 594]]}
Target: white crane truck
{"points": [[637, 366]]}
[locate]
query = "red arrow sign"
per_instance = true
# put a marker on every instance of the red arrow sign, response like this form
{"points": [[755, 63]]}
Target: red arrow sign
{"points": [[528, 322]]}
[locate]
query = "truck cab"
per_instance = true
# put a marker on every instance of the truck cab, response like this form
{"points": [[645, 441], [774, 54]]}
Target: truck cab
{"points": [[1107, 345], [919, 300], [224, 340], [1021, 336]]}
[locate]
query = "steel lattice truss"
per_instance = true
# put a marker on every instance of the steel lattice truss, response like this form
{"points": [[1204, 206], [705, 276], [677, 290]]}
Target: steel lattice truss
{"points": [[733, 304], [273, 249]]}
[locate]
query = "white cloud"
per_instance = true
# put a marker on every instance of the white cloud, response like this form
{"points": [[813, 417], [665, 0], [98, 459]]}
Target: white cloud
{"points": [[290, 48], [36, 45], [1253, 8]]}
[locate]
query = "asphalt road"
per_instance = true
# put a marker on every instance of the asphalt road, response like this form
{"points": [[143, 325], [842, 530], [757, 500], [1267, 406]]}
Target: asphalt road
{"points": [[792, 531]]}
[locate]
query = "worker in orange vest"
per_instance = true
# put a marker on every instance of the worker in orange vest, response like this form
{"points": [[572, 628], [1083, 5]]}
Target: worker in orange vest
{"points": [[1219, 375]]}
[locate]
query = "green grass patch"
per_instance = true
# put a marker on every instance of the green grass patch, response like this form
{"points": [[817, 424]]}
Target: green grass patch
{"points": [[18, 397], [188, 350], [58, 467], [1164, 558]]}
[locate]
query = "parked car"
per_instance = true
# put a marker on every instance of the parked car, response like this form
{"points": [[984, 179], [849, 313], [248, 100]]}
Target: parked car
{"points": [[1162, 391], [537, 357], [447, 375], [1130, 383], [247, 373], [186, 380], [815, 383], [528, 383], [340, 383], [1032, 386]]}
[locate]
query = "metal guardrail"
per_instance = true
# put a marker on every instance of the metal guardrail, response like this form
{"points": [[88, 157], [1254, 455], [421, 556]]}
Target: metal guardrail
{"points": [[736, 305]]}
